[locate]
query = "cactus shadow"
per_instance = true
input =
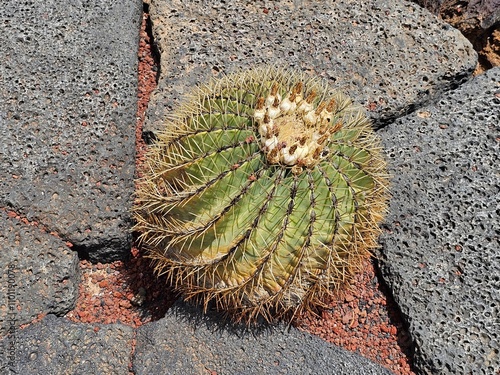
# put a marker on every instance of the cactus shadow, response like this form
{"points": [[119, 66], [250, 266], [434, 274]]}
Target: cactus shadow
{"points": [[218, 322]]}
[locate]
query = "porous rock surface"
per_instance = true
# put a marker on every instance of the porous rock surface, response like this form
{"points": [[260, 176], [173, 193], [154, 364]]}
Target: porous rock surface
{"points": [[186, 341], [57, 346], [38, 274], [68, 94], [390, 56], [440, 252]]}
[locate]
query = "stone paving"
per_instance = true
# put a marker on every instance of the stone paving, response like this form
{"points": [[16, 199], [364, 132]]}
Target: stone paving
{"points": [[441, 246], [68, 93]]}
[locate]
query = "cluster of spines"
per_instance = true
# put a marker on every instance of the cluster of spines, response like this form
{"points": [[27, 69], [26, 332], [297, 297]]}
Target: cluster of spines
{"points": [[210, 153]]}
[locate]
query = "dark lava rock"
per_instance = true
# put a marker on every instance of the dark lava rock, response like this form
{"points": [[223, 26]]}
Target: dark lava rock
{"points": [[441, 246], [188, 342], [57, 346], [389, 56], [68, 101], [38, 274]]}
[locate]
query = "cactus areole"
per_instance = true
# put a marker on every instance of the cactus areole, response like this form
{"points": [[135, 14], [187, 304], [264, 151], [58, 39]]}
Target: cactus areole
{"points": [[263, 194]]}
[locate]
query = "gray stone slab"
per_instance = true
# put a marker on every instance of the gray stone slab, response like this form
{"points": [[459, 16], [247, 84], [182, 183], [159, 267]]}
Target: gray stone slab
{"points": [[188, 342], [39, 274], [389, 56], [57, 346], [68, 94], [441, 249]]}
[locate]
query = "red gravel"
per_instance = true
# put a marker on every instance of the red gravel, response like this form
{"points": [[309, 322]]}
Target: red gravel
{"points": [[125, 292], [365, 321]]}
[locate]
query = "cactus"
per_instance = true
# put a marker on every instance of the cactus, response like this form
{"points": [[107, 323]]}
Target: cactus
{"points": [[262, 195]]}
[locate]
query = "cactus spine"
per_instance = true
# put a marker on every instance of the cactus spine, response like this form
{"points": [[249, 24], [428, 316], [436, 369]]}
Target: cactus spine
{"points": [[263, 194]]}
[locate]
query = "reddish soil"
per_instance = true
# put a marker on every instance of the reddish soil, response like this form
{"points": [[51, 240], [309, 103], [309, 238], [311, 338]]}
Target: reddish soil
{"points": [[365, 321]]}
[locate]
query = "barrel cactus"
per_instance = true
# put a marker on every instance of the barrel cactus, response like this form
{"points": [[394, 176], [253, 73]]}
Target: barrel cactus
{"points": [[263, 194]]}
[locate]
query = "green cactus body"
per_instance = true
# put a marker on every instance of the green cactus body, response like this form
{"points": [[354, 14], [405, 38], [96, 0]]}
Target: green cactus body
{"points": [[263, 194]]}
